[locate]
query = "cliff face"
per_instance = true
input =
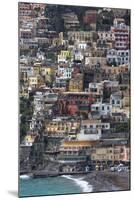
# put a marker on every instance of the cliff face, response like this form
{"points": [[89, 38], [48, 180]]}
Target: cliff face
{"points": [[38, 157]]}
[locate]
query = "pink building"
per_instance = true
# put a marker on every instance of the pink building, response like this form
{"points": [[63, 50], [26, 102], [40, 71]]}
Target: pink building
{"points": [[124, 153], [121, 34]]}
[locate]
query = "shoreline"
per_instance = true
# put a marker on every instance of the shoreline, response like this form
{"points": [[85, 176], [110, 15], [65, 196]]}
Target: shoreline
{"points": [[98, 181], [83, 184], [104, 181]]}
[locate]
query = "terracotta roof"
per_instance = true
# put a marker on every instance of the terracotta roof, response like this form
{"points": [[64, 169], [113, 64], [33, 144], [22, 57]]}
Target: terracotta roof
{"points": [[88, 121], [80, 143]]}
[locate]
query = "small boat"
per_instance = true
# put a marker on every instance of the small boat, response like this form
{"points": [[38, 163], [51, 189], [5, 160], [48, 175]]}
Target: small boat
{"points": [[25, 176]]}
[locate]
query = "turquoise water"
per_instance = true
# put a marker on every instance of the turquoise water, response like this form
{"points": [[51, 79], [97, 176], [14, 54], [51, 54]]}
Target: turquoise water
{"points": [[49, 186]]}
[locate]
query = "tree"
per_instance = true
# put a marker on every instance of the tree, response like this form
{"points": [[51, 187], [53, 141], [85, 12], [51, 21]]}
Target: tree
{"points": [[26, 111], [37, 9]]}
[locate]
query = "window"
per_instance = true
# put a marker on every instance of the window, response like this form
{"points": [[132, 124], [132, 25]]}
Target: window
{"points": [[102, 107], [84, 127], [113, 102], [93, 89], [118, 102], [107, 107]]}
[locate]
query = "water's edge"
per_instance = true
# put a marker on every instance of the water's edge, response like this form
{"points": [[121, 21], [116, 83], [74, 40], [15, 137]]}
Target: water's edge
{"points": [[84, 185], [78, 182]]}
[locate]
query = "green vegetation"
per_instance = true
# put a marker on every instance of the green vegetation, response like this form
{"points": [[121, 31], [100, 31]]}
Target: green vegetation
{"points": [[54, 13], [122, 127], [105, 20], [51, 55], [26, 111], [37, 9]]}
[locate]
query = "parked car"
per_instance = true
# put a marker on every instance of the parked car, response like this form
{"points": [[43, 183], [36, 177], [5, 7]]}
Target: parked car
{"points": [[122, 167], [113, 168], [119, 168]]}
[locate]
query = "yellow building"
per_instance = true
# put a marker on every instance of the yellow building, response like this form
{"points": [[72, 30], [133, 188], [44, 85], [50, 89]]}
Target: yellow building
{"points": [[61, 127], [78, 144], [64, 55], [76, 151], [23, 76], [73, 147], [80, 35], [29, 139], [34, 81], [36, 68], [76, 84], [126, 99], [115, 70], [24, 93], [46, 70], [58, 41], [115, 153], [106, 154]]}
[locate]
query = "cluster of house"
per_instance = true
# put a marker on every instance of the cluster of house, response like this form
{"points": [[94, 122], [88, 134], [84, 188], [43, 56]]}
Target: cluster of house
{"points": [[80, 82]]}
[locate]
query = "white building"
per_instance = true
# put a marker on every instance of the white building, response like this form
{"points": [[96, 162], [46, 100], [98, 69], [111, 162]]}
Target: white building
{"points": [[78, 55], [64, 72], [118, 57], [89, 134], [62, 59], [38, 102], [121, 34], [95, 88], [101, 109], [106, 35], [116, 100], [106, 109], [94, 124], [95, 60], [82, 45], [92, 129]]}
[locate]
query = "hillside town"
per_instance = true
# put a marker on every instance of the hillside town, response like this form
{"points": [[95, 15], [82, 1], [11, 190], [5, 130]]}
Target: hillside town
{"points": [[74, 90]]}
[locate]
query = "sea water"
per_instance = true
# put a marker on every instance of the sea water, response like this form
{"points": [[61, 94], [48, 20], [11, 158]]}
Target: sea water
{"points": [[65, 184]]}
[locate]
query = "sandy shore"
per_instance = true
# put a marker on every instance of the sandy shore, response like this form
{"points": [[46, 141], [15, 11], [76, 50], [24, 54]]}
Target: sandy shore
{"points": [[108, 181], [102, 181]]}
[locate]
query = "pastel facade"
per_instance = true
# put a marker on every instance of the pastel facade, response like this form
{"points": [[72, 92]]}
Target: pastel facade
{"points": [[106, 35], [95, 60], [118, 57], [90, 18], [29, 140], [115, 153], [101, 109], [64, 56], [76, 83], [121, 34], [34, 81], [80, 36], [90, 134], [64, 72], [61, 128], [95, 88], [74, 151], [116, 100]]}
